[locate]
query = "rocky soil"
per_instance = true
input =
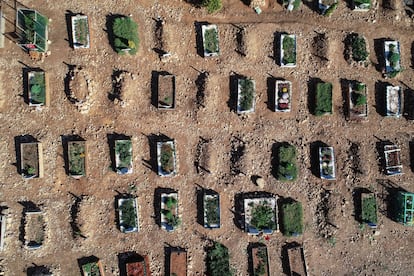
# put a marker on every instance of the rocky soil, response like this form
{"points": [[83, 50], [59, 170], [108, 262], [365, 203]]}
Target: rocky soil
{"points": [[239, 147]]}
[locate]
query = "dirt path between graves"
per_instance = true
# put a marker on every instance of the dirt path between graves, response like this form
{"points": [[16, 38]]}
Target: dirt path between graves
{"points": [[348, 249]]}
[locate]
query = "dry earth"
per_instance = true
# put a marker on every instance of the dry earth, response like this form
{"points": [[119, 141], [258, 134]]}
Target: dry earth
{"points": [[350, 250]]}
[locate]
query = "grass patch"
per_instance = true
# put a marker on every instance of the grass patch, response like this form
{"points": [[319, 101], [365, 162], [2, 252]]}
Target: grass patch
{"points": [[359, 48], [37, 88], [246, 94], [218, 260], [323, 99], [289, 50], [212, 5], [123, 149], [129, 214], [125, 32], [292, 218], [369, 209], [263, 216], [77, 156], [287, 170], [212, 210], [167, 158], [211, 42]]}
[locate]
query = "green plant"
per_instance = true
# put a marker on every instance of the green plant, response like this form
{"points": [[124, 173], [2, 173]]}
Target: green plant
{"points": [[263, 216], [261, 267], [369, 209], [332, 241], [287, 170], [296, 4], [331, 9], [37, 88], [30, 170], [81, 31], [125, 32], [246, 94], [170, 215], [211, 44], [212, 5], [289, 50], [360, 99], [77, 158], [129, 214], [124, 150], [323, 98], [218, 260], [91, 269], [167, 158], [212, 210], [359, 48], [292, 218]]}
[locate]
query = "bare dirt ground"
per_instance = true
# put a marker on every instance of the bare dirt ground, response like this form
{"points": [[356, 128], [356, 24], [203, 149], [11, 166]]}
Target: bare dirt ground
{"points": [[348, 250]]}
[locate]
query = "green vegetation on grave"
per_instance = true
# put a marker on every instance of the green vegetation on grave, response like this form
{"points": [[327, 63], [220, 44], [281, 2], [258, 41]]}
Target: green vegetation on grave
{"points": [[211, 43], [125, 32], [369, 209], [263, 216], [37, 88], [287, 169], [91, 269], [81, 31], [218, 260], [358, 97], [323, 104], [123, 150], [289, 50], [393, 57], [262, 259], [246, 96], [170, 212], [77, 158], [359, 48], [167, 158], [129, 213], [359, 3], [331, 9], [292, 218], [212, 210], [212, 5], [34, 28]]}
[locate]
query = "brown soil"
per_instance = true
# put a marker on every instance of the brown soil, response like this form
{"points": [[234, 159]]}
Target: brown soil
{"points": [[296, 261], [138, 268], [178, 263], [30, 158], [344, 249], [257, 260]]}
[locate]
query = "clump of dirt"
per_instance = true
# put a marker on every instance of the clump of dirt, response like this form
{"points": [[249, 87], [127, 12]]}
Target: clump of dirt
{"points": [[320, 47], [354, 159], [79, 88], [241, 47], [158, 37], [201, 83], [118, 85], [74, 212], [202, 156], [325, 213], [238, 148]]}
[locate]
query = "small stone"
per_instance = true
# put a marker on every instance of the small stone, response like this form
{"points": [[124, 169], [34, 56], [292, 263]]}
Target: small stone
{"points": [[260, 182]]}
